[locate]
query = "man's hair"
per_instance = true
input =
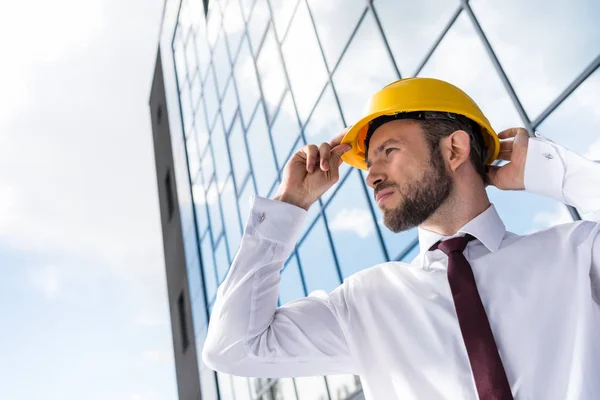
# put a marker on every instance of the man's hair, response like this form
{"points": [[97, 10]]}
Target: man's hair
{"points": [[435, 130], [436, 126]]}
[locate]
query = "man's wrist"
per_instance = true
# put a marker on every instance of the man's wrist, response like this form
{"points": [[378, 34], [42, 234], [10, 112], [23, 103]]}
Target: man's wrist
{"points": [[287, 198]]}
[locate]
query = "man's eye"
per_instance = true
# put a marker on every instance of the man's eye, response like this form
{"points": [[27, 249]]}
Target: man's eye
{"points": [[388, 151]]}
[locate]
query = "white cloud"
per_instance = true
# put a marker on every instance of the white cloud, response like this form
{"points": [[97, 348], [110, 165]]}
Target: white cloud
{"points": [[157, 356], [545, 219], [46, 280], [43, 35], [356, 220]]}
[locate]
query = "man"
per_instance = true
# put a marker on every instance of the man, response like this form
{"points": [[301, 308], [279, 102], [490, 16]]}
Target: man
{"points": [[480, 313]]}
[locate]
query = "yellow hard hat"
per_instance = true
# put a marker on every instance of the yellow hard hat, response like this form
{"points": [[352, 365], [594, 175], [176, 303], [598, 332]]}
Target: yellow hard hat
{"points": [[413, 95]]}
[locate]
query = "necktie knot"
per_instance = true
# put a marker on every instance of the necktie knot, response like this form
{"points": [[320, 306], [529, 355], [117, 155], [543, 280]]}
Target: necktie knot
{"points": [[451, 245]]}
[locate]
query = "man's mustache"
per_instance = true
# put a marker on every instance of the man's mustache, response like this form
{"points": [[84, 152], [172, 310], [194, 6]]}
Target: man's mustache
{"points": [[382, 186]]}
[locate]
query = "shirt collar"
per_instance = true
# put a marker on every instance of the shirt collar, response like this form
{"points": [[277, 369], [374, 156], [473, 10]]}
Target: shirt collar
{"points": [[487, 227]]}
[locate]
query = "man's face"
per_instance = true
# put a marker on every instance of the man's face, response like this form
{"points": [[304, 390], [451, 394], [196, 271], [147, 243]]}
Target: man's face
{"points": [[409, 182]]}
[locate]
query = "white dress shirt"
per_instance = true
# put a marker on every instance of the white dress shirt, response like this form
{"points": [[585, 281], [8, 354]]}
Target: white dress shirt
{"points": [[395, 324]]}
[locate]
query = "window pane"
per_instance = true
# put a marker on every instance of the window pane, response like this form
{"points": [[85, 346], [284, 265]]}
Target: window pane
{"points": [[212, 197], [244, 201], [186, 109], [290, 287], [208, 168], [240, 384], [258, 23], [190, 57], [352, 227], [326, 121], [180, 65], [261, 155], [395, 243], [411, 28], [366, 45], [271, 72], [221, 260], [213, 24], [285, 130], [257, 384], [316, 259], [247, 85], [283, 389], [221, 154], [208, 382], [193, 156], [193, 267], [238, 149], [232, 221], [233, 23], [222, 64], [335, 21], [196, 92], [462, 60], [283, 11], [341, 386], [200, 207], [542, 45], [211, 100], [313, 212], [202, 51], [229, 105], [311, 388], [210, 277], [225, 386], [304, 62], [410, 256], [247, 7], [201, 129]]}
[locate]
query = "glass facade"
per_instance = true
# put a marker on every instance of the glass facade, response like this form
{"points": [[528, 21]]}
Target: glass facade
{"points": [[254, 80]]}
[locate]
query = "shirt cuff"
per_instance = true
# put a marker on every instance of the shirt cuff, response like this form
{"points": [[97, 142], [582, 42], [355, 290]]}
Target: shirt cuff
{"points": [[275, 220], [544, 169]]}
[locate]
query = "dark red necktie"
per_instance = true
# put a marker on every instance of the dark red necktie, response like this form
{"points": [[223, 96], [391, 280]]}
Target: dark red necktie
{"points": [[486, 365]]}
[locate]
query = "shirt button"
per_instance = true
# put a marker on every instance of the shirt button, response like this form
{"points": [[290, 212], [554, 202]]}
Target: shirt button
{"points": [[261, 217]]}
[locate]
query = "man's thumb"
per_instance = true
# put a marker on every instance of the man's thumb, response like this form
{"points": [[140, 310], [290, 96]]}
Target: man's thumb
{"points": [[340, 149]]}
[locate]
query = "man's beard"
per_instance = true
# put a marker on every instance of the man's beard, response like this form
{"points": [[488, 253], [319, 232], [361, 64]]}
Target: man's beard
{"points": [[420, 199]]}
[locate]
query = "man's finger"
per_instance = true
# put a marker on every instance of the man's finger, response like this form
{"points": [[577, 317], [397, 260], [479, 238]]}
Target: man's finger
{"points": [[337, 151], [510, 133], [337, 139], [506, 145], [312, 153], [505, 155], [324, 151]]}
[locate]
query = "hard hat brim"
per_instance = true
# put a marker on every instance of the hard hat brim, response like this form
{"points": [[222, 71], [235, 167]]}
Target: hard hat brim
{"points": [[357, 133]]}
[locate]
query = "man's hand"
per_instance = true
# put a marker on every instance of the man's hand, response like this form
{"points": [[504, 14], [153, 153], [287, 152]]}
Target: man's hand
{"points": [[311, 172], [513, 148]]}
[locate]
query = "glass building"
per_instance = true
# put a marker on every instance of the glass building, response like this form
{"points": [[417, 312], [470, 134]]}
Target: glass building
{"points": [[245, 83]]}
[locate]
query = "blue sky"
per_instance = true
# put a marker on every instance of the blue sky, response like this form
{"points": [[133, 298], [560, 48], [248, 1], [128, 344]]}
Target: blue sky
{"points": [[82, 286]]}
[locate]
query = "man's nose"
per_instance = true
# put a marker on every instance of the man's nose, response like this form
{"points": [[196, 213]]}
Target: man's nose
{"points": [[375, 177]]}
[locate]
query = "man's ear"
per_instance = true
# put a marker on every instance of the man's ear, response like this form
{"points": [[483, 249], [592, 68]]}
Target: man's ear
{"points": [[456, 149]]}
